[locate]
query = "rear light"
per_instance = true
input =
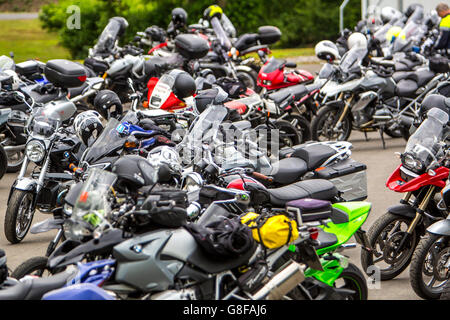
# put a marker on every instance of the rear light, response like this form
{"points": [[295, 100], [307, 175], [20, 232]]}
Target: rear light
{"points": [[82, 78], [313, 233]]}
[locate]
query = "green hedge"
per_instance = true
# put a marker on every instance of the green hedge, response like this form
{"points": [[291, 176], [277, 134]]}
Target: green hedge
{"points": [[302, 22]]}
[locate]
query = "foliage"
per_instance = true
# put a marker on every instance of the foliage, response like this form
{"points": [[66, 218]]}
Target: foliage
{"points": [[302, 22]]}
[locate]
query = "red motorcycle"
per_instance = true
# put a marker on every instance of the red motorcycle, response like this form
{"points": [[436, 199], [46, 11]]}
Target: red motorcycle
{"points": [[273, 76], [421, 177]]}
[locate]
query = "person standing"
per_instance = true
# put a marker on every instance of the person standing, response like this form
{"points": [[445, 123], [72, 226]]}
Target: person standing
{"points": [[443, 42]]}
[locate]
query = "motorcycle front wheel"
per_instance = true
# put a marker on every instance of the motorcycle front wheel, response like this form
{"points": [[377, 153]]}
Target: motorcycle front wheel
{"points": [[429, 272], [3, 162], [19, 215], [323, 126], [302, 124], [385, 236], [36, 266], [248, 78]]}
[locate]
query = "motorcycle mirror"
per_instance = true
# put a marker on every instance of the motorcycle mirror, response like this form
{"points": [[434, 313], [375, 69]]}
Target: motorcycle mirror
{"points": [[19, 96]]}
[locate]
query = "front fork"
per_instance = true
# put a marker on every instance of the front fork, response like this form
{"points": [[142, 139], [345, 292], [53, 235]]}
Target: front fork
{"points": [[419, 213], [344, 112]]}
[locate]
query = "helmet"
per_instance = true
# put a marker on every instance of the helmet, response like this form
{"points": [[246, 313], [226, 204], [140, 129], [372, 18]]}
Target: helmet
{"points": [[388, 13], [393, 33], [108, 104], [134, 172], [212, 11], [156, 33], [167, 160], [327, 50], [184, 85], [356, 40], [88, 126], [179, 17], [412, 9]]}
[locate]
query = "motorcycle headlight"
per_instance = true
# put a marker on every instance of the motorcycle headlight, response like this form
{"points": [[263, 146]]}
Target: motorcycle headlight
{"points": [[35, 150], [193, 182], [411, 163], [76, 230]]}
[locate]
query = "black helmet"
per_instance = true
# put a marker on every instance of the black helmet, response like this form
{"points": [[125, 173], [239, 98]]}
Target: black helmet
{"points": [[134, 172], [156, 33], [88, 126], [184, 85], [179, 17], [108, 104]]}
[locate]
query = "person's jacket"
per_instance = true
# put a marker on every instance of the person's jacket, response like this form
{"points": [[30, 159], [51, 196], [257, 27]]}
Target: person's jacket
{"points": [[443, 42]]}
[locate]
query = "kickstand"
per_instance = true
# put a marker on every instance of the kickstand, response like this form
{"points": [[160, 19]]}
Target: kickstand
{"points": [[365, 136], [382, 138]]}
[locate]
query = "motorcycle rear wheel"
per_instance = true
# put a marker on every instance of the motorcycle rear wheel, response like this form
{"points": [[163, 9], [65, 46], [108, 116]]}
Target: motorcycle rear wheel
{"points": [[3, 162], [353, 280], [18, 216], [445, 295], [302, 124], [427, 256]]}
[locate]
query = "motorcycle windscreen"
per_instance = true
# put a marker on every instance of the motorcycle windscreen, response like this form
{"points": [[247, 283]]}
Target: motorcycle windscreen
{"points": [[424, 144], [161, 94], [220, 33], [108, 36], [352, 58], [110, 141]]}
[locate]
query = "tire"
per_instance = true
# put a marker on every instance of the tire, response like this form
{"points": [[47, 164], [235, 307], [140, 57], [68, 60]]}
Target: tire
{"points": [[302, 124], [375, 231], [328, 116], [12, 211], [354, 279], [289, 135], [445, 295], [3, 162], [419, 263], [33, 266], [248, 78]]}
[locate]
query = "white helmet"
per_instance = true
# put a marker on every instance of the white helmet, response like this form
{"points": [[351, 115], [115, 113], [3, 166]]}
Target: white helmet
{"points": [[88, 126], [357, 40], [165, 155], [327, 50], [389, 13]]}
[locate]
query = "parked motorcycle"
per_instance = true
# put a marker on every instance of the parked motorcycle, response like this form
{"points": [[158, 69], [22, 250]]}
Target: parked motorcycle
{"points": [[421, 176]]}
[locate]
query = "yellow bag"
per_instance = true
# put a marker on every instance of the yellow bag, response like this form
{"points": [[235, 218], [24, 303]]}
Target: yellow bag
{"points": [[275, 231]]}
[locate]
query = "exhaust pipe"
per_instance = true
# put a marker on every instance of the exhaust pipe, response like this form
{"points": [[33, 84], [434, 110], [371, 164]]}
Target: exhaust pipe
{"points": [[282, 283]]}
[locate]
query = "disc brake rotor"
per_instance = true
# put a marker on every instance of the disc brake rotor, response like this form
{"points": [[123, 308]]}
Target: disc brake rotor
{"points": [[391, 246], [441, 265]]}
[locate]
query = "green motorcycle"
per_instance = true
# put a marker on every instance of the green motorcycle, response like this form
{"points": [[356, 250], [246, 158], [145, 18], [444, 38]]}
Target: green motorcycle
{"points": [[336, 277]]}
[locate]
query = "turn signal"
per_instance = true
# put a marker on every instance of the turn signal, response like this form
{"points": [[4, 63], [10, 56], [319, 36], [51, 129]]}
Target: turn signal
{"points": [[313, 233]]}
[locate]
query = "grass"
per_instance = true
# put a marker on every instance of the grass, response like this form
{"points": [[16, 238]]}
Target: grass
{"points": [[292, 52], [28, 40]]}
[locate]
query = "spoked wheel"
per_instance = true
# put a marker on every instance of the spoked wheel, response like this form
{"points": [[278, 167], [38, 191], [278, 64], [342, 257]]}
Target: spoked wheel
{"points": [[430, 271], [353, 280], [324, 126], [302, 125], [19, 215], [385, 237]]}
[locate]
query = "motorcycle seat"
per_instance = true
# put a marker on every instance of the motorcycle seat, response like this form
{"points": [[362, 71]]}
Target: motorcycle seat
{"points": [[288, 170], [315, 188], [314, 154], [201, 260], [406, 65], [325, 239], [34, 289], [421, 77], [406, 88], [281, 95], [400, 75], [77, 90], [19, 107]]}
